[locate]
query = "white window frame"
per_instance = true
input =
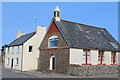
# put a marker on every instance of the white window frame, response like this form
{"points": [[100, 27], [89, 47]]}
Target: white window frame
{"points": [[88, 56], [103, 57], [8, 61], [17, 49], [84, 56], [52, 38], [16, 61], [12, 50]]}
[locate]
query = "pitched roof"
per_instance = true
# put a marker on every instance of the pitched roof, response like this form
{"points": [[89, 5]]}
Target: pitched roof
{"points": [[86, 36], [21, 39]]}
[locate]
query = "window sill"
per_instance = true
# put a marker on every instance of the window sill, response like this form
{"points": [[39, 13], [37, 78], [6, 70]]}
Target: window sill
{"points": [[113, 64], [16, 65], [101, 64], [86, 64]]}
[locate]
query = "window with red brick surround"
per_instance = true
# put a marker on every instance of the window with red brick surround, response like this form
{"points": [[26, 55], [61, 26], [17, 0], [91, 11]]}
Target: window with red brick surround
{"points": [[113, 58], [101, 58], [86, 57]]}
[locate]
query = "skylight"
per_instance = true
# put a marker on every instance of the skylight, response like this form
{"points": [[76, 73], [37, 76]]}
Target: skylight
{"points": [[114, 44]]}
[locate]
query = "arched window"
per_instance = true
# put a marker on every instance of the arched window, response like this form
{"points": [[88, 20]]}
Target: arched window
{"points": [[53, 41]]}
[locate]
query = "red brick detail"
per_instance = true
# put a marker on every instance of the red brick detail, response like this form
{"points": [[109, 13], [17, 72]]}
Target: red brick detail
{"points": [[86, 59], [113, 64], [87, 64], [53, 28], [101, 64]]}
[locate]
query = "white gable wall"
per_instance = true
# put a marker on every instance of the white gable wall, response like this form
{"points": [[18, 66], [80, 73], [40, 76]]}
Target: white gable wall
{"points": [[30, 59]]}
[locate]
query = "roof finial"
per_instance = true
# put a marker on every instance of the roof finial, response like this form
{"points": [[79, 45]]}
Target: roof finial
{"points": [[57, 8]]}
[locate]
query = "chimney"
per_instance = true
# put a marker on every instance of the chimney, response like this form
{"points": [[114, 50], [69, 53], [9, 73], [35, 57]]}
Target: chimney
{"points": [[40, 30], [19, 34]]}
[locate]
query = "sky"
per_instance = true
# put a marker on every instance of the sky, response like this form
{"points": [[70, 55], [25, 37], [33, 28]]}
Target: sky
{"points": [[20, 16]]}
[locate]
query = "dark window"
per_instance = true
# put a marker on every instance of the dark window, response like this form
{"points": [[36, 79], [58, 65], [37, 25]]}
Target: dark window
{"points": [[30, 48], [58, 14], [8, 50]]}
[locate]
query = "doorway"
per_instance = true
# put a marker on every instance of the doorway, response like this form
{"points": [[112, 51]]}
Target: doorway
{"points": [[12, 64], [52, 62]]}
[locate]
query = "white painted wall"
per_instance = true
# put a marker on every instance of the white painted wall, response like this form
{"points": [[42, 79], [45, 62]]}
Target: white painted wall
{"points": [[107, 57], [30, 59], [94, 57], [13, 56], [76, 56], [118, 58], [27, 60]]}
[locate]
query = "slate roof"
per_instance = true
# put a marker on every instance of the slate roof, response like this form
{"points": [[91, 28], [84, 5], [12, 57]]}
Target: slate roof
{"points": [[86, 36], [22, 39]]}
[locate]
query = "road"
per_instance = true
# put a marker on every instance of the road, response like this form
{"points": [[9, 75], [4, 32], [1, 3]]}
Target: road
{"points": [[10, 74]]}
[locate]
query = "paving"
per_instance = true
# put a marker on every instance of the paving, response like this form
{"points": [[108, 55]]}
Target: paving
{"points": [[9, 73]]}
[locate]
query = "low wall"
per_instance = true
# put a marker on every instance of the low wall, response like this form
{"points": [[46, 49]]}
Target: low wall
{"points": [[88, 70]]}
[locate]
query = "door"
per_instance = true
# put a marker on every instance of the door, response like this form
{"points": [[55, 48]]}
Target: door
{"points": [[12, 64], [52, 62]]}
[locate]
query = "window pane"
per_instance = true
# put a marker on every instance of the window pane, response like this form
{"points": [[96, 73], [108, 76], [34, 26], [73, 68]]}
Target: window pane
{"points": [[54, 43]]}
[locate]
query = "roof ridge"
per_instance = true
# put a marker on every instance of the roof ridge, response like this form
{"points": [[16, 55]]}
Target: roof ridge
{"points": [[83, 24]]}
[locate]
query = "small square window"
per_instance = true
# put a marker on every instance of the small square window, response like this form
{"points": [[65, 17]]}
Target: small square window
{"points": [[30, 48]]}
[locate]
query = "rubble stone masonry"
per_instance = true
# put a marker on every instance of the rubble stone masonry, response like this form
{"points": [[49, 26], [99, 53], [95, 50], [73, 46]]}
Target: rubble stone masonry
{"points": [[88, 70]]}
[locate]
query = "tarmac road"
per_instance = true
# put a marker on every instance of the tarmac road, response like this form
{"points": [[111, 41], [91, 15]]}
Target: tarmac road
{"points": [[10, 74]]}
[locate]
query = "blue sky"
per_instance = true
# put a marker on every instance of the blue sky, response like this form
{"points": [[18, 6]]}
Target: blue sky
{"points": [[20, 16]]}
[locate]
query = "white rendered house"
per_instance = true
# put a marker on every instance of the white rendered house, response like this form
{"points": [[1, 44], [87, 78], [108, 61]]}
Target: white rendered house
{"points": [[22, 54]]}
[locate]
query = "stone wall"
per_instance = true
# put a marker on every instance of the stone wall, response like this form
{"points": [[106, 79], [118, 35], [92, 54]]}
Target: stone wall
{"points": [[89, 70], [61, 60]]}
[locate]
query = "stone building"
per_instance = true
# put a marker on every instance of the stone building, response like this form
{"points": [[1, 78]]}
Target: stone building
{"points": [[70, 47], [22, 54]]}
